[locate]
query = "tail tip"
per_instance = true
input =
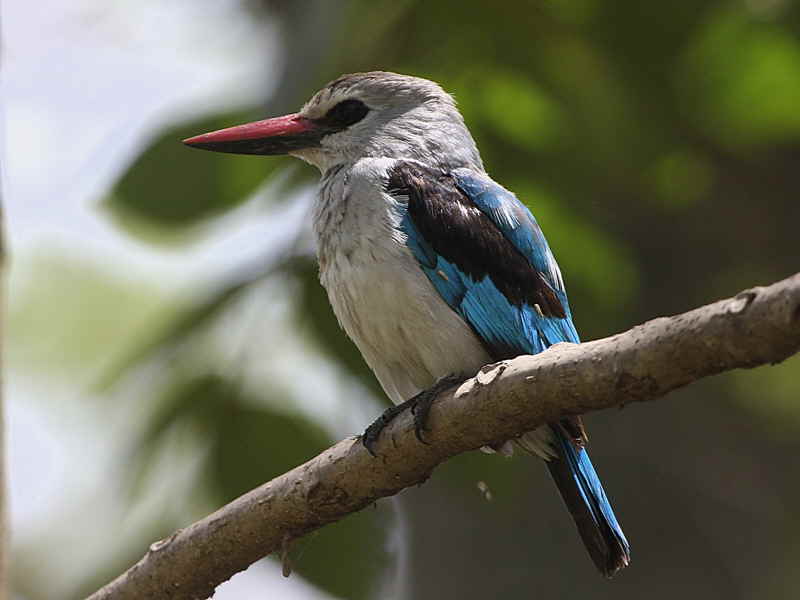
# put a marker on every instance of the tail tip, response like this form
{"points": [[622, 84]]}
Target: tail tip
{"points": [[614, 564]]}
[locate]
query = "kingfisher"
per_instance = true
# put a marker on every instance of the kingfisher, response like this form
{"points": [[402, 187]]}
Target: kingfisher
{"points": [[432, 268]]}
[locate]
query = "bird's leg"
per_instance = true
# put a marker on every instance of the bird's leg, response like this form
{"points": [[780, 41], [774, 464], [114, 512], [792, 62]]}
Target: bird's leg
{"points": [[420, 406]]}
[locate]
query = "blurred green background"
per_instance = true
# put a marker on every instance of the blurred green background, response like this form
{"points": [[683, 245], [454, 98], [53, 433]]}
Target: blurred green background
{"points": [[170, 348]]}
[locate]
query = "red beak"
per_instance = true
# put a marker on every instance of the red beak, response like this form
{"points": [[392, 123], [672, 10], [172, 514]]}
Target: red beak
{"points": [[280, 135]]}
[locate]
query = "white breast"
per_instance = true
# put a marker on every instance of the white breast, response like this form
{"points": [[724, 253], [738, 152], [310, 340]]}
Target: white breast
{"points": [[407, 334]]}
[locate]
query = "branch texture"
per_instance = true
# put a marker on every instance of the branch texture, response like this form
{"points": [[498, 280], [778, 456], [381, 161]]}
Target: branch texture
{"points": [[758, 326]]}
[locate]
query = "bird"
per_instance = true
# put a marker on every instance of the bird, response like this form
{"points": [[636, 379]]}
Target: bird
{"points": [[431, 267]]}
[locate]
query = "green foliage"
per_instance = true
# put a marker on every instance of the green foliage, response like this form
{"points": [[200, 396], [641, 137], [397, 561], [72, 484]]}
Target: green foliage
{"points": [[745, 79], [680, 179], [771, 394], [67, 315], [519, 110], [248, 442], [178, 327]]}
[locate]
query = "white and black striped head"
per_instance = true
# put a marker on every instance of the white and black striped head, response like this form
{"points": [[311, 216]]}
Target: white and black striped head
{"points": [[375, 114]]}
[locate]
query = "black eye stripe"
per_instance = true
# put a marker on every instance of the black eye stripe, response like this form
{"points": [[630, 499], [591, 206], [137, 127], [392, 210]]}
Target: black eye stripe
{"points": [[344, 114]]}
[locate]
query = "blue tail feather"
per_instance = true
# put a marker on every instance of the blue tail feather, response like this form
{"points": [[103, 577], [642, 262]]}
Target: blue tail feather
{"points": [[583, 494]]}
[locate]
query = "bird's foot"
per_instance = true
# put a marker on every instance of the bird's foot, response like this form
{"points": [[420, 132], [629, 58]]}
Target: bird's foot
{"points": [[420, 406], [371, 434]]}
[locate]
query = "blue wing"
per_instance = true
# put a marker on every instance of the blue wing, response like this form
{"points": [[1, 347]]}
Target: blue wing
{"points": [[486, 255], [519, 226]]}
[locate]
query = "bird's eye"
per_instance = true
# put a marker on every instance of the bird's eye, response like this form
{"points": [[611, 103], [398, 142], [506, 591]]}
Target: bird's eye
{"points": [[346, 113]]}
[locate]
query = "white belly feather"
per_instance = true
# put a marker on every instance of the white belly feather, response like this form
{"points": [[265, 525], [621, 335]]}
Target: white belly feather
{"points": [[406, 333]]}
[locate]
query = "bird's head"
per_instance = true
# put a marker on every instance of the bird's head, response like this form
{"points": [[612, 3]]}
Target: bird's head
{"points": [[376, 114]]}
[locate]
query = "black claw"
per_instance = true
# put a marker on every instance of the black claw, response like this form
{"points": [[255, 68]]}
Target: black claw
{"points": [[420, 406], [420, 410], [369, 437], [373, 432]]}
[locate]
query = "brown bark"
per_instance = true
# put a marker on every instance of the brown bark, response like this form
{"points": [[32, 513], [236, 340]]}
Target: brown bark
{"points": [[758, 326]]}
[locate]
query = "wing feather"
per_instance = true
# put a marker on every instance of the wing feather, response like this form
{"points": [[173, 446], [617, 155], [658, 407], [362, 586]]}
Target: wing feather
{"points": [[486, 256]]}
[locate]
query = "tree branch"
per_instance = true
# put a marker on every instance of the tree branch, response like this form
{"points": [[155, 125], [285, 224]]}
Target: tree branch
{"points": [[758, 326]]}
